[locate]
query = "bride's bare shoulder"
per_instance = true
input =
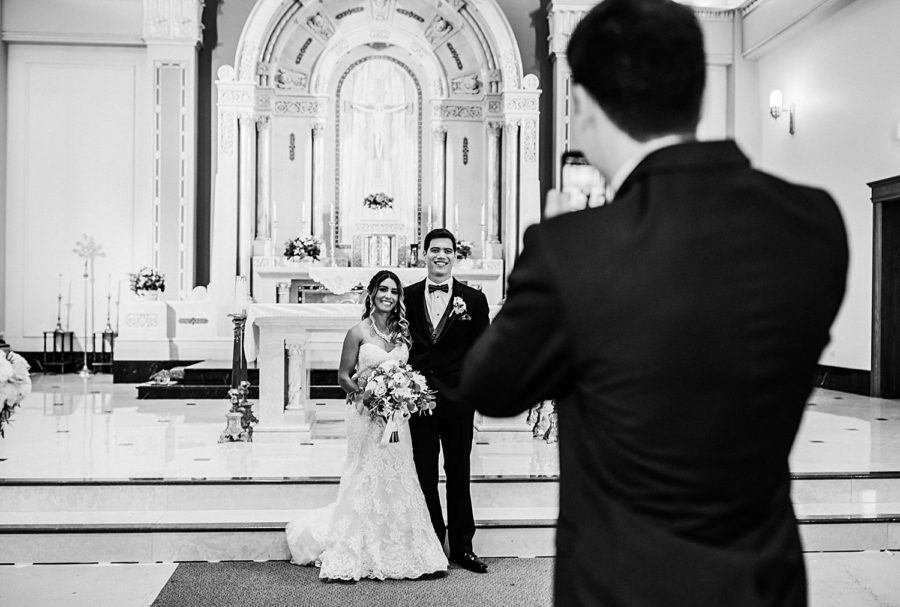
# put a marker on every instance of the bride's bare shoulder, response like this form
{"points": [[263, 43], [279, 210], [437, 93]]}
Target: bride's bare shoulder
{"points": [[358, 332]]}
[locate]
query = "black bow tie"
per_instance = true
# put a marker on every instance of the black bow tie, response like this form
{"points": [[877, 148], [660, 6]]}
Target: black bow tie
{"points": [[433, 288]]}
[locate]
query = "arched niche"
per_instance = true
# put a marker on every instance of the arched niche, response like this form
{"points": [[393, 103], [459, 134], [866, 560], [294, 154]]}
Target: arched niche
{"points": [[280, 171]]}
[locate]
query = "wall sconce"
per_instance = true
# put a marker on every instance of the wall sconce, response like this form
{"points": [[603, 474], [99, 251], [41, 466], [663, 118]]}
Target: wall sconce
{"points": [[776, 107]]}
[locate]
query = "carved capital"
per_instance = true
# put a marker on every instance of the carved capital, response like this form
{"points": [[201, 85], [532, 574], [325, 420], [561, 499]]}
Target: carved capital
{"points": [[171, 21]]}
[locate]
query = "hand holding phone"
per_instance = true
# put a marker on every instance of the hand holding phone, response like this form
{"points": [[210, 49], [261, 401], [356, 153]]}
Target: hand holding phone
{"points": [[580, 182]]}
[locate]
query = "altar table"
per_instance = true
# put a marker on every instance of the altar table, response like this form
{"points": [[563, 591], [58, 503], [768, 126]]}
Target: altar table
{"points": [[288, 340]]}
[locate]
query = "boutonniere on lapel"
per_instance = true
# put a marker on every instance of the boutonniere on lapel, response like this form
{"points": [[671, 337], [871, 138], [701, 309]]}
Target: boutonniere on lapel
{"points": [[459, 308]]}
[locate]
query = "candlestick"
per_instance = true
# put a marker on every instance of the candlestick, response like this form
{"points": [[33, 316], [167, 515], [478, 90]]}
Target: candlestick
{"points": [[69, 306], [59, 328]]}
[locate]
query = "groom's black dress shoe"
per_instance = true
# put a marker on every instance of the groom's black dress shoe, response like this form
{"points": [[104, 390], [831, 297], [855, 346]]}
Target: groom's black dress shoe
{"points": [[469, 561]]}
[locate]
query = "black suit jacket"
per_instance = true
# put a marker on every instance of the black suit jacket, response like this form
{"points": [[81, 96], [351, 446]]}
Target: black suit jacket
{"points": [[438, 352], [679, 329]]}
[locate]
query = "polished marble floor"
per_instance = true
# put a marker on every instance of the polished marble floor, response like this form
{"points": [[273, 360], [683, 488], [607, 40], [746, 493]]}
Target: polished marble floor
{"points": [[69, 428]]}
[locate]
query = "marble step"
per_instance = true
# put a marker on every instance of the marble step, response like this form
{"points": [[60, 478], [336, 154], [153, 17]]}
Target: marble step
{"points": [[238, 494], [150, 391], [215, 535], [157, 536]]}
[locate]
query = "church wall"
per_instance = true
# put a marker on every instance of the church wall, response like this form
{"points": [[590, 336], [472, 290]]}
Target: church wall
{"points": [[78, 162], [3, 221], [841, 76]]}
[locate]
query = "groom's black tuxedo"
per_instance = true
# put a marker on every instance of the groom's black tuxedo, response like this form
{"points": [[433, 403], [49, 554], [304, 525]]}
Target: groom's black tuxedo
{"points": [[679, 329], [438, 353]]}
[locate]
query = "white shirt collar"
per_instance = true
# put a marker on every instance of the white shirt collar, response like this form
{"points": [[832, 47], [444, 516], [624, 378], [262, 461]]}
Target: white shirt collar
{"points": [[647, 148]]}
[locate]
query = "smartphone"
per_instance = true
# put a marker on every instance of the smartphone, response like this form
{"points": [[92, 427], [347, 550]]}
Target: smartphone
{"points": [[581, 181]]}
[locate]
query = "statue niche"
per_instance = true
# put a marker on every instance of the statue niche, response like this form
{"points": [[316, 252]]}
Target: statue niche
{"points": [[379, 152]]}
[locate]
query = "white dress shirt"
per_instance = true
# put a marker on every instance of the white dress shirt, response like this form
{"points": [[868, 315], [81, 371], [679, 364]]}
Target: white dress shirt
{"points": [[438, 300]]}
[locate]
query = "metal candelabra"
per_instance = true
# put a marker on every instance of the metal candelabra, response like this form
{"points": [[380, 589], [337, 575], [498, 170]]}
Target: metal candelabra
{"points": [[239, 419], [88, 250]]}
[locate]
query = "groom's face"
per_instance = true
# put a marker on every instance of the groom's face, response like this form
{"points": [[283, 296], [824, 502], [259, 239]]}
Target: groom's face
{"points": [[439, 259]]}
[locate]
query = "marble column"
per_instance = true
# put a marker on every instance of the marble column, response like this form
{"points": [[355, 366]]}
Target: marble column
{"points": [[491, 212], [295, 380], [263, 243], [437, 211], [509, 213], [317, 198], [247, 191]]}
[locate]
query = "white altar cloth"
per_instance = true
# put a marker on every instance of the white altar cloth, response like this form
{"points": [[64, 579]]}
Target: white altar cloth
{"points": [[343, 280]]}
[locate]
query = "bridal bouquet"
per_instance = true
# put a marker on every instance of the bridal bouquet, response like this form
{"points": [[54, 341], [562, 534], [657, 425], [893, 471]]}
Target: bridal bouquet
{"points": [[393, 392], [15, 384], [378, 201], [302, 247]]}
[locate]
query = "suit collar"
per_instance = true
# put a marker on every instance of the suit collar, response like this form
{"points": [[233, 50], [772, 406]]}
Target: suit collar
{"points": [[693, 155]]}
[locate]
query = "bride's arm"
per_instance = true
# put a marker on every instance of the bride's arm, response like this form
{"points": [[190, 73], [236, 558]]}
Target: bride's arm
{"points": [[349, 359]]}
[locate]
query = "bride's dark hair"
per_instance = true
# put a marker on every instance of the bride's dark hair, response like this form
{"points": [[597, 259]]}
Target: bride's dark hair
{"points": [[397, 323]]}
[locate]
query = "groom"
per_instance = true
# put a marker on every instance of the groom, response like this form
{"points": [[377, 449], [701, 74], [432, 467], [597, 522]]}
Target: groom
{"points": [[445, 318]]}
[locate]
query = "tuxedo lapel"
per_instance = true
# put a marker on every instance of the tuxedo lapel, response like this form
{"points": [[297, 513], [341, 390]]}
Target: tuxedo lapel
{"points": [[447, 318]]}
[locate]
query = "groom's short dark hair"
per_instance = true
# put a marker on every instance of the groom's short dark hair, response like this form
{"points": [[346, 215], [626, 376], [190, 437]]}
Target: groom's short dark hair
{"points": [[643, 62], [439, 233]]}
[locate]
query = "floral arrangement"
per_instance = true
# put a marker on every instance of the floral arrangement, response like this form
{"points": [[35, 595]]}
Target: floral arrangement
{"points": [[301, 247], [379, 200], [463, 249], [543, 421], [147, 279], [15, 384], [392, 393]]}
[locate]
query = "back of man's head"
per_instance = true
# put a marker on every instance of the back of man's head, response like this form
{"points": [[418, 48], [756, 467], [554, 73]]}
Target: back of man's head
{"points": [[643, 62]]}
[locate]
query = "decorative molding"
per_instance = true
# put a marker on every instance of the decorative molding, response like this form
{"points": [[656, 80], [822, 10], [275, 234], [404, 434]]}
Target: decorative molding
{"points": [[320, 26], [510, 70], [494, 127], [226, 133], [495, 107], [248, 62], [193, 320], [465, 151], [522, 104], [348, 12], [263, 100], [143, 320], [457, 5], [455, 54], [459, 112], [302, 51], [235, 95], [292, 147], [438, 30], [466, 85], [70, 39], [562, 24], [291, 79], [381, 34], [529, 139], [299, 108], [750, 7], [173, 21], [709, 14], [408, 13]]}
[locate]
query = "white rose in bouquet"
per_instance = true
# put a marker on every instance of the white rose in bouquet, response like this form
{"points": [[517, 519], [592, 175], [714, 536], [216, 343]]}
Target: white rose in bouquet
{"points": [[6, 370], [20, 368]]}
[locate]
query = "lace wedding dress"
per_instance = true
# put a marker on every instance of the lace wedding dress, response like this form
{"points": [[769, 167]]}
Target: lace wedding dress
{"points": [[379, 526]]}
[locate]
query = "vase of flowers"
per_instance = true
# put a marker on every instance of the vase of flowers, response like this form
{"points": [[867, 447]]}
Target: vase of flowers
{"points": [[15, 385], [147, 283], [463, 251], [378, 201], [303, 248]]}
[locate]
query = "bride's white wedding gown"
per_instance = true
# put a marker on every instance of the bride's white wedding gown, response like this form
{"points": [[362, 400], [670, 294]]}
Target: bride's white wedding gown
{"points": [[379, 526]]}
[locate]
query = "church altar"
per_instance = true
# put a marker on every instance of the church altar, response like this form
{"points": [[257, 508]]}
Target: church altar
{"points": [[289, 340], [269, 273]]}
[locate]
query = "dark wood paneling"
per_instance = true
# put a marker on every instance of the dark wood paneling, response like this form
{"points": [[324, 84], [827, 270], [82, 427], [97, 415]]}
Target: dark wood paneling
{"points": [[885, 378]]}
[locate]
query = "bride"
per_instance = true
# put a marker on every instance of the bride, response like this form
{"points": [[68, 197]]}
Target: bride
{"points": [[379, 526]]}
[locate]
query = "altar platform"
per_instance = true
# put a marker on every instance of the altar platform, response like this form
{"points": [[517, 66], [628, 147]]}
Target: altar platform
{"points": [[105, 477]]}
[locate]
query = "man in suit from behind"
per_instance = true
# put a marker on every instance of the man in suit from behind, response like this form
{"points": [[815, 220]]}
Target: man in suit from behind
{"points": [[678, 329], [445, 318]]}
